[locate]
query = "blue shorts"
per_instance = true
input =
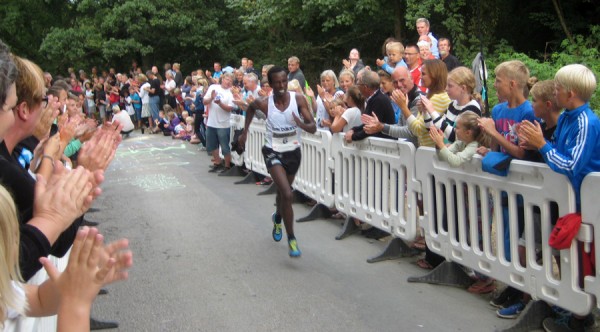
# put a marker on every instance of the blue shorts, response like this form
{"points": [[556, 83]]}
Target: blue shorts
{"points": [[154, 106], [216, 137]]}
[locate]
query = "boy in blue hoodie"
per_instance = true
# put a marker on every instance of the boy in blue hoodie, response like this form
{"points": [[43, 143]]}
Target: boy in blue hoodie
{"points": [[574, 149]]}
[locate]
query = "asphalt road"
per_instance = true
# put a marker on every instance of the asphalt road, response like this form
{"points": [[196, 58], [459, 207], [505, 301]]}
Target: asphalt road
{"points": [[204, 259]]}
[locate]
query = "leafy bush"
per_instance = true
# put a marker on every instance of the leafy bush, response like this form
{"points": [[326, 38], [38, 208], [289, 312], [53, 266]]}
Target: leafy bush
{"points": [[584, 51]]}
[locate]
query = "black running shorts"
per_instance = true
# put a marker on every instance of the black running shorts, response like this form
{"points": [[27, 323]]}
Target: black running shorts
{"points": [[290, 160]]}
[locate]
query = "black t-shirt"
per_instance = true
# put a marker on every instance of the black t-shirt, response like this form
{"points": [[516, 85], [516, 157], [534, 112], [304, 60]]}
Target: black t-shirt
{"points": [[535, 155], [124, 92], [33, 243], [155, 84]]}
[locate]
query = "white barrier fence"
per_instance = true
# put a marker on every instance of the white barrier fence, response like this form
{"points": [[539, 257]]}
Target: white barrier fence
{"points": [[470, 195], [378, 181], [371, 179], [590, 214], [254, 142], [315, 176]]}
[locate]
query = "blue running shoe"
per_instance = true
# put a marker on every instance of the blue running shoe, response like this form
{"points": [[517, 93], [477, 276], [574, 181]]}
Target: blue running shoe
{"points": [[511, 312], [294, 250], [277, 232]]}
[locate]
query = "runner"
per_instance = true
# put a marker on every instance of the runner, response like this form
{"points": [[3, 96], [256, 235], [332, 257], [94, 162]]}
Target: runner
{"points": [[285, 111]]}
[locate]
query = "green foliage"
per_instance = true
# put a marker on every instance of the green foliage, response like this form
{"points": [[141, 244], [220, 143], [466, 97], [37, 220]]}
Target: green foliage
{"points": [[583, 51]]}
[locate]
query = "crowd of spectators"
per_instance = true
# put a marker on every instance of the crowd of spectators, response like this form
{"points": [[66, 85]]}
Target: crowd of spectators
{"points": [[418, 91]]}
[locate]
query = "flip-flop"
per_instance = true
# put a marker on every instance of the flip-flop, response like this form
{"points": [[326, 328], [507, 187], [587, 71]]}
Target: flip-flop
{"points": [[422, 263]]}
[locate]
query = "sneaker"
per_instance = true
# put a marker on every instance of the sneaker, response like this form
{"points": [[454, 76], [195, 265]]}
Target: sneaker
{"points": [[561, 324], [223, 169], [277, 232], [294, 250], [512, 311], [215, 168], [506, 298]]}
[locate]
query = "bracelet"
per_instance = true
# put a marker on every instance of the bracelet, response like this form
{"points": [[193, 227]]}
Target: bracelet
{"points": [[45, 156], [39, 164]]}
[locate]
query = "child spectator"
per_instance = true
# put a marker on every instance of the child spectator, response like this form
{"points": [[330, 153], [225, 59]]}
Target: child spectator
{"points": [[395, 54], [347, 118], [469, 137], [136, 102], [511, 81], [173, 122], [573, 151], [162, 123], [186, 131], [544, 107], [460, 88]]}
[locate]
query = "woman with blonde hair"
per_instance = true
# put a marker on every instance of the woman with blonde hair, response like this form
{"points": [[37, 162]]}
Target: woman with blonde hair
{"points": [[460, 88]]}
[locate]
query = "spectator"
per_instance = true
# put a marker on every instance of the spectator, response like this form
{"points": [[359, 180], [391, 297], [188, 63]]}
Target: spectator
{"points": [[425, 49], [155, 93], [144, 92], [136, 102], [178, 77], [220, 101], [574, 150], [124, 119], [347, 118], [406, 95], [346, 79], [460, 89], [377, 104], [511, 82], [423, 30], [328, 91], [395, 53], [449, 59], [434, 78], [354, 62], [89, 97], [294, 71], [214, 77], [411, 55]]}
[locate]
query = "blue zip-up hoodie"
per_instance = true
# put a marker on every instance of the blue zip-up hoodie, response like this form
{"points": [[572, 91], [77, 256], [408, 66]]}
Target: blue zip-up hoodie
{"points": [[575, 150]]}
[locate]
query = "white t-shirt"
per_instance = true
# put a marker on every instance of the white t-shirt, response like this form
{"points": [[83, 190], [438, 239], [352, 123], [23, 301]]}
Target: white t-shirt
{"points": [[169, 86], [124, 119], [218, 117], [145, 95], [352, 117]]}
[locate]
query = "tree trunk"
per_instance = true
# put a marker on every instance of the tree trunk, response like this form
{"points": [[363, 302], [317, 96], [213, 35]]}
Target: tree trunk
{"points": [[561, 18]]}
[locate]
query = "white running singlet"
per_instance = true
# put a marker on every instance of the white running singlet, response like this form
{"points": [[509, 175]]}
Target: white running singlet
{"points": [[283, 134]]}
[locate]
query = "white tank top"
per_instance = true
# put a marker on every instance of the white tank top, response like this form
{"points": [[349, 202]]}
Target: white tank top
{"points": [[283, 134]]}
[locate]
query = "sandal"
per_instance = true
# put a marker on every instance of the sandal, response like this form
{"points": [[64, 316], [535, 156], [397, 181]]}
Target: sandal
{"points": [[482, 286], [419, 244], [338, 215], [422, 263]]}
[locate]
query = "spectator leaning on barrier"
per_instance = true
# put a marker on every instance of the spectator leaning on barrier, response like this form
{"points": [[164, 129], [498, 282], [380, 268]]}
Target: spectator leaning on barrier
{"points": [[377, 104], [406, 95], [574, 150]]}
